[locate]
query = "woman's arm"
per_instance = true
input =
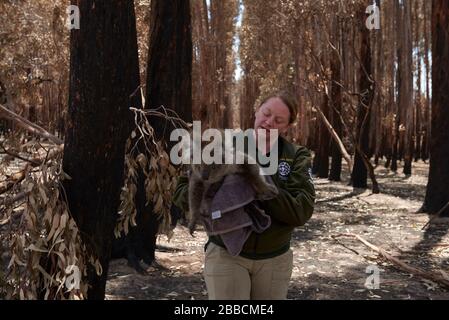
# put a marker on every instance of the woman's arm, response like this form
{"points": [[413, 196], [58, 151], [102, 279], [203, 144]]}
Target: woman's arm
{"points": [[295, 202]]}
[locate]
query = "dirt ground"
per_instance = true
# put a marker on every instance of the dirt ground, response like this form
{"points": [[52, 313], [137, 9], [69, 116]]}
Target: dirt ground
{"points": [[324, 267]]}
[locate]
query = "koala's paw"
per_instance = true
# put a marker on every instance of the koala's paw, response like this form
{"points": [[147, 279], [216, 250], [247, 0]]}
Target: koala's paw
{"points": [[192, 227]]}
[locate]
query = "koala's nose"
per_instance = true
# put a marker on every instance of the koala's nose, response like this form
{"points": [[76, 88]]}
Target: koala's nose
{"points": [[205, 174]]}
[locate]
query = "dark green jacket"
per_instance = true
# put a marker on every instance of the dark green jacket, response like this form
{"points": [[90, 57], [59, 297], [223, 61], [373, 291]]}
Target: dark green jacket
{"points": [[293, 206]]}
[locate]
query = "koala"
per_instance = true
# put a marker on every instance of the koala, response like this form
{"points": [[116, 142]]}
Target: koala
{"points": [[204, 176]]}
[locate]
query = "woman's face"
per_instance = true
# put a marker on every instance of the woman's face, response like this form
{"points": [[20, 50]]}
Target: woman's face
{"points": [[273, 114]]}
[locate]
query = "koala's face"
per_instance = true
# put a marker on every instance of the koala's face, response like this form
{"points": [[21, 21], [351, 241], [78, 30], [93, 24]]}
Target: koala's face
{"points": [[210, 173]]}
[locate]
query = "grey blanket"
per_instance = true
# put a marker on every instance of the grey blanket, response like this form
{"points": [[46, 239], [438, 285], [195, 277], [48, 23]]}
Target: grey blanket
{"points": [[233, 214]]}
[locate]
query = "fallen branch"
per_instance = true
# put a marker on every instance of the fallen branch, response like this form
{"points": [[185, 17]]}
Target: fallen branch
{"points": [[435, 277], [28, 125], [345, 246]]}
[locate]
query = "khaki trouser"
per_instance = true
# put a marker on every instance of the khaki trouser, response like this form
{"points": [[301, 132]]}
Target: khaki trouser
{"points": [[238, 278]]}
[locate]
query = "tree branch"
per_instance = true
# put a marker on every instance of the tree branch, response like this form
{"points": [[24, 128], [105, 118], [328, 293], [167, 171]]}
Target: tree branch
{"points": [[435, 277], [337, 139], [18, 156], [18, 177], [28, 125]]}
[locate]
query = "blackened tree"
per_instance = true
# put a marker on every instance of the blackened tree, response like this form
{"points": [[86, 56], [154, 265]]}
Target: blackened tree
{"points": [[104, 74]]}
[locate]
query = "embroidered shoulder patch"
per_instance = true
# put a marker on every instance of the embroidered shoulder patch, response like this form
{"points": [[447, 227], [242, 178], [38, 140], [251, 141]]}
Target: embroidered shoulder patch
{"points": [[284, 170]]}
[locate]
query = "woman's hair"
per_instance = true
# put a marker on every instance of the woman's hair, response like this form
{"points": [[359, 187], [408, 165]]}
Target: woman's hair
{"points": [[287, 98]]}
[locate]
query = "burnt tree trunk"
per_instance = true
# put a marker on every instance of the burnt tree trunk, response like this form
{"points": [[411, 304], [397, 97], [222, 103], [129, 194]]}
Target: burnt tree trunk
{"points": [[169, 66], [406, 89], [169, 71], [437, 195], [427, 129], [359, 173], [250, 92], [104, 72], [396, 133], [316, 148]]}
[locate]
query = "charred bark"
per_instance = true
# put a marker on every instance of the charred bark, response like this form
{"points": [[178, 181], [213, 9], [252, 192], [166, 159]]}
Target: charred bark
{"points": [[437, 195], [104, 72]]}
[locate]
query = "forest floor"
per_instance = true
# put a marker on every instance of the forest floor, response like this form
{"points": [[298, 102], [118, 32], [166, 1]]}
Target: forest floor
{"points": [[325, 267]]}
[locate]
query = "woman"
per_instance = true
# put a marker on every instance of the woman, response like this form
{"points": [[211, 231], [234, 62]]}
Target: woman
{"points": [[263, 268]]}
